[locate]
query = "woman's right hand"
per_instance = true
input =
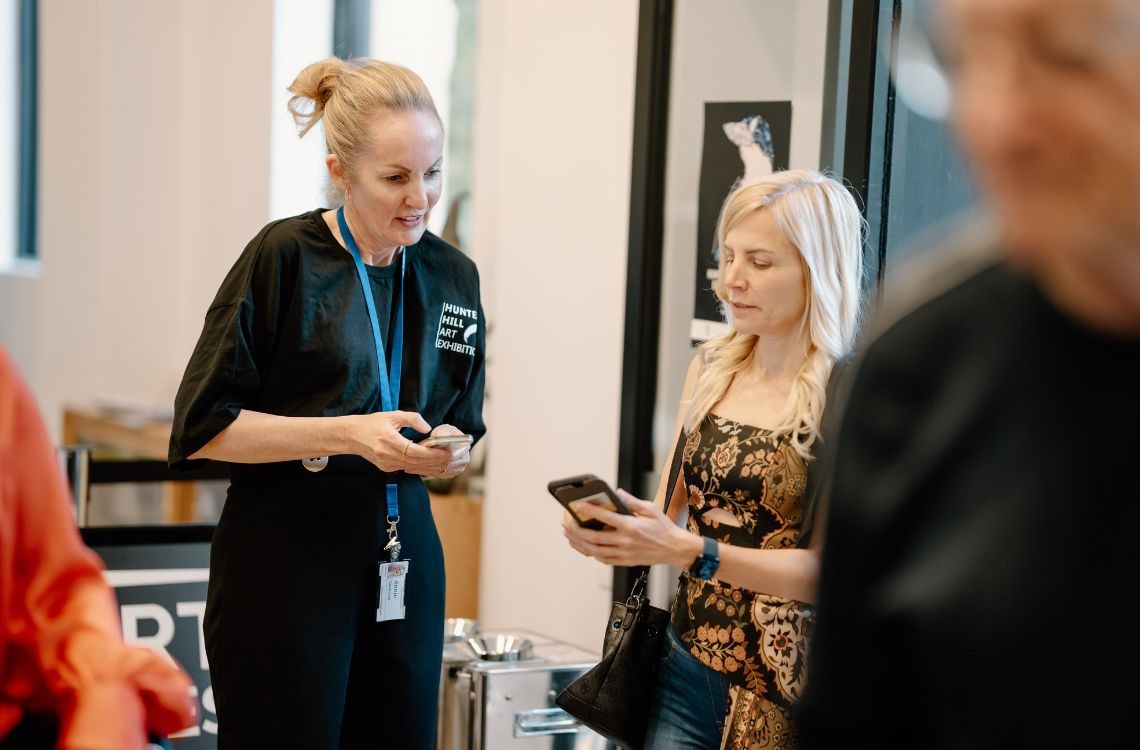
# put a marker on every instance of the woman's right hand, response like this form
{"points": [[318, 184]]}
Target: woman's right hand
{"points": [[377, 438]]}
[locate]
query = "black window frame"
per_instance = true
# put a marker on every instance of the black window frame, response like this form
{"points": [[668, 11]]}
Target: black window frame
{"points": [[27, 129], [352, 28]]}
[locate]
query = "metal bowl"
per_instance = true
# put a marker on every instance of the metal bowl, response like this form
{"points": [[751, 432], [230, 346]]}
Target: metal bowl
{"points": [[459, 629], [501, 647]]}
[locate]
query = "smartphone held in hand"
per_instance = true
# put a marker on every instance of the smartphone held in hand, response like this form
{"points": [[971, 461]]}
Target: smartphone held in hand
{"points": [[573, 492], [446, 441]]}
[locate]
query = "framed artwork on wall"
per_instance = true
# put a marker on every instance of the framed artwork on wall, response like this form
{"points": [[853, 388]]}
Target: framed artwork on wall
{"points": [[743, 142]]}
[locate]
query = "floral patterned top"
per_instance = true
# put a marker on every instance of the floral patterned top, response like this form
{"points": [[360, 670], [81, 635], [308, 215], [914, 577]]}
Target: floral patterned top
{"points": [[758, 641]]}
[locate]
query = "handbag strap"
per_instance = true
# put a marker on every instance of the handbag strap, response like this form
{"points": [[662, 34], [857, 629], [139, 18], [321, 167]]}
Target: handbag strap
{"points": [[674, 467], [639, 585]]}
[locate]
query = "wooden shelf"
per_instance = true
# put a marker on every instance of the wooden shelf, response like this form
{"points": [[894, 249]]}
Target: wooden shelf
{"points": [[459, 519], [128, 437], [131, 438]]}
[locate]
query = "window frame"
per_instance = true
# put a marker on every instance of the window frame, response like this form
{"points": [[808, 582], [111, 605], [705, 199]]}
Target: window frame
{"points": [[27, 180], [352, 23]]}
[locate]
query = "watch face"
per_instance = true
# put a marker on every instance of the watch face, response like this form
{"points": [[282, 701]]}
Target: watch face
{"points": [[704, 568]]}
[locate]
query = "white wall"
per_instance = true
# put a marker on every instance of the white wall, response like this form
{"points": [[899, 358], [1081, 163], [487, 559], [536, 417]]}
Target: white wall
{"points": [[421, 35], [302, 34], [18, 330], [153, 175], [554, 122]]}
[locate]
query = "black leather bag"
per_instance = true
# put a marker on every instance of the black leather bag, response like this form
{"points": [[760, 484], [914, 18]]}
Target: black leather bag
{"points": [[613, 697]]}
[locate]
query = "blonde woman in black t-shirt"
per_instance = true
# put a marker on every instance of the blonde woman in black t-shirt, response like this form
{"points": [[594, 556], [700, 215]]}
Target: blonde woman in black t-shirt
{"points": [[338, 341]]}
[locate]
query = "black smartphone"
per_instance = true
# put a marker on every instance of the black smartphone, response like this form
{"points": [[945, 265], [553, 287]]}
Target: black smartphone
{"points": [[586, 488]]}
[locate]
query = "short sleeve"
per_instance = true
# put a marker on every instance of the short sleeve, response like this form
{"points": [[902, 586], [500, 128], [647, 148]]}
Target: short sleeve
{"points": [[221, 378], [467, 412], [226, 370]]}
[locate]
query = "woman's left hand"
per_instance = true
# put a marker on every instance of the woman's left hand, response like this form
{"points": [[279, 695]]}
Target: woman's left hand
{"points": [[453, 461], [648, 537]]}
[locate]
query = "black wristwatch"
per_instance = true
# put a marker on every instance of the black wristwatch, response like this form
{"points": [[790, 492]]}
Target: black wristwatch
{"points": [[704, 567]]}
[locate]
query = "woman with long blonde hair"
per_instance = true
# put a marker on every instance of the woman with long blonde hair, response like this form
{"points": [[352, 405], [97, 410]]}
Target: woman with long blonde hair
{"points": [[750, 421]]}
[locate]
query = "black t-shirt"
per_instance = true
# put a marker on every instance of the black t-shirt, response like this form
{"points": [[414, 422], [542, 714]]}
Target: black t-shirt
{"points": [[385, 283], [982, 553], [288, 334]]}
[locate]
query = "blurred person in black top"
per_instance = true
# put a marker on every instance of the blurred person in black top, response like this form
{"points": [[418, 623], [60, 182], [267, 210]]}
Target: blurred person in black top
{"points": [[983, 541]]}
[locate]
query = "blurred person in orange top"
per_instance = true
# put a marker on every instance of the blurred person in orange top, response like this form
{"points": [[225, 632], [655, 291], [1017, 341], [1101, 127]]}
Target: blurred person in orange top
{"points": [[67, 680]]}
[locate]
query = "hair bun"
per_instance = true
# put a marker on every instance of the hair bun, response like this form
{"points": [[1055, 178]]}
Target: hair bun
{"points": [[312, 89]]}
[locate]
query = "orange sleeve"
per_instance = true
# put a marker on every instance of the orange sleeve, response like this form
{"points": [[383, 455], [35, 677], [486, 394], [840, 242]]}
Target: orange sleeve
{"points": [[66, 621]]}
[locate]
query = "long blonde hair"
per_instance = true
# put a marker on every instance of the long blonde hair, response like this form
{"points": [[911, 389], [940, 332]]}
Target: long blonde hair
{"points": [[818, 216]]}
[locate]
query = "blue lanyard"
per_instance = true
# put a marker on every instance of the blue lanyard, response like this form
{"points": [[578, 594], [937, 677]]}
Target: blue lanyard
{"points": [[389, 381]]}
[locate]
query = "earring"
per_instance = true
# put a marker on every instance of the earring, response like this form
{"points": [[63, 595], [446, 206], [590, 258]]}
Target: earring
{"points": [[347, 194]]}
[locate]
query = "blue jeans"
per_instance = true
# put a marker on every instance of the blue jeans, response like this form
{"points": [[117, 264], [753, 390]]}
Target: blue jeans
{"points": [[689, 701]]}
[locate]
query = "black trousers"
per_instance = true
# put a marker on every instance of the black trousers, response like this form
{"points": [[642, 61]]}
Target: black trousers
{"points": [[297, 659]]}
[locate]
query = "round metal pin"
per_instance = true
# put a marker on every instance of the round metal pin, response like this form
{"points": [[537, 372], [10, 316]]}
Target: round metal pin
{"points": [[315, 464]]}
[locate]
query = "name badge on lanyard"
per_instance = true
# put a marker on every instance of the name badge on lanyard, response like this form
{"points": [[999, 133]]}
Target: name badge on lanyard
{"points": [[392, 574], [390, 590]]}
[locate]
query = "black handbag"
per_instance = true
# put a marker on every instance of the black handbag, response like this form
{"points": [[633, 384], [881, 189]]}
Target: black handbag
{"points": [[613, 697]]}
